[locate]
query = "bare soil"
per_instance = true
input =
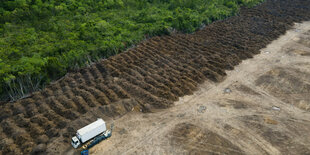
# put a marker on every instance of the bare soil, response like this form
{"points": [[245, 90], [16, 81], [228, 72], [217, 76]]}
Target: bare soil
{"points": [[262, 107], [151, 77]]}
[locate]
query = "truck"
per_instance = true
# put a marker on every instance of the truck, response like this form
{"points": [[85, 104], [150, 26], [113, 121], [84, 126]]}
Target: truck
{"points": [[91, 134]]}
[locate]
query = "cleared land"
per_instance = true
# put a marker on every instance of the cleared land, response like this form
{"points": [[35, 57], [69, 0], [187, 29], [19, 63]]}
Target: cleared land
{"points": [[266, 110], [155, 74]]}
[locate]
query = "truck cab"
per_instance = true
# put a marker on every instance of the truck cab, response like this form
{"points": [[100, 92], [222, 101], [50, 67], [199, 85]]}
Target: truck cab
{"points": [[75, 142]]}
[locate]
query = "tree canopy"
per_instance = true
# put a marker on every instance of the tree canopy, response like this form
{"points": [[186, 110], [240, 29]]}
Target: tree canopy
{"points": [[40, 40]]}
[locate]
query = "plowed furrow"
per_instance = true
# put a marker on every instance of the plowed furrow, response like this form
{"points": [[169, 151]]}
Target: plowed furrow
{"points": [[87, 75], [151, 75], [144, 95], [161, 62], [177, 71], [42, 109], [42, 121], [59, 109], [85, 99], [139, 83], [17, 108], [175, 86], [186, 70], [34, 131], [200, 59], [89, 99], [121, 93], [70, 82], [108, 92], [157, 83], [149, 79], [30, 107], [167, 82], [64, 83], [123, 68], [99, 95], [20, 137], [77, 78], [101, 68], [96, 74], [178, 88], [181, 52], [59, 121], [7, 144], [230, 58], [128, 59], [67, 103], [207, 72], [150, 88], [204, 52], [56, 89], [47, 92], [80, 104], [145, 54], [138, 69], [209, 50], [114, 72], [68, 95], [132, 55], [152, 71]]}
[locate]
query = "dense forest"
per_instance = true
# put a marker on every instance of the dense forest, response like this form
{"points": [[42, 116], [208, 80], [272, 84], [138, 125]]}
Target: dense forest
{"points": [[41, 40]]}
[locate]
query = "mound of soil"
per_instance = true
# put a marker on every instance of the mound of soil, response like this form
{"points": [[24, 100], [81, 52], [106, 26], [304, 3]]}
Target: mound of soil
{"points": [[151, 75]]}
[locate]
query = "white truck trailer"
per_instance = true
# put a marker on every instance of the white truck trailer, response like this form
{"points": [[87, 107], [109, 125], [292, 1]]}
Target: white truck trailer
{"points": [[95, 129]]}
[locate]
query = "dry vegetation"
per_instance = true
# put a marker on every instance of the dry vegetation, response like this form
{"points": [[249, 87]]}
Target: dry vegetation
{"points": [[150, 76]]}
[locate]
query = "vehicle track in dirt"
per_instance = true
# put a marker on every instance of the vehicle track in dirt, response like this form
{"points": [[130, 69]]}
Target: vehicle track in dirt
{"points": [[261, 107], [152, 75]]}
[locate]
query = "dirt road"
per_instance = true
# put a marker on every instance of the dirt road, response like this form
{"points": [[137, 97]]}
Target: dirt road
{"points": [[262, 107]]}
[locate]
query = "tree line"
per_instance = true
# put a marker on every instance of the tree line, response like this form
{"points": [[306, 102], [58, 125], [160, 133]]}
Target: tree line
{"points": [[41, 40]]}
